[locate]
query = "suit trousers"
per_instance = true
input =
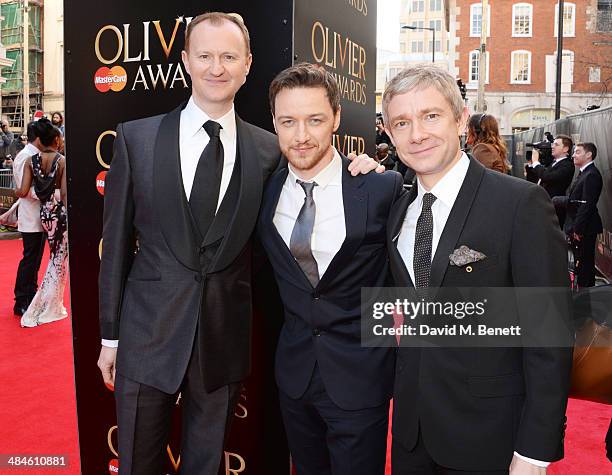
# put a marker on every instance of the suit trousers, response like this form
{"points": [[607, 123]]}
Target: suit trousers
{"points": [[26, 282], [144, 418], [325, 439], [419, 461], [586, 254]]}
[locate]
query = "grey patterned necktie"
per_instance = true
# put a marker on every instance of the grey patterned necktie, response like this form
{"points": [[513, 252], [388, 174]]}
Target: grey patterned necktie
{"points": [[422, 243], [302, 233]]}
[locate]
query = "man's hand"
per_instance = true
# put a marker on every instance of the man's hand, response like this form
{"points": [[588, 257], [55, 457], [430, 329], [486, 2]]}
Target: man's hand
{"points": [[518, 466], [106, 363], [576, 237], [363, 164]]}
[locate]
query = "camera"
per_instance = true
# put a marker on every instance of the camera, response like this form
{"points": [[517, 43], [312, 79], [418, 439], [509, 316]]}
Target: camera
{"points": [[545, 151]]}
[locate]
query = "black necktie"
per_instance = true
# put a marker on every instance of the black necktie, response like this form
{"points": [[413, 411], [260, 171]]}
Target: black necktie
{"points": [[302, 233], [207, 181], [422, 243]]}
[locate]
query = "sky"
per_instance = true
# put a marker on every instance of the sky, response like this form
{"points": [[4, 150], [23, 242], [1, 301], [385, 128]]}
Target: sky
{"points": [[387, 14]]}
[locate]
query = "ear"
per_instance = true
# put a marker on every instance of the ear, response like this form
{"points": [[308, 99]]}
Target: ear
{"points": [[337, 118], [249, 61], [390, 135], [185, 58], [463, 120], [274, 124]]}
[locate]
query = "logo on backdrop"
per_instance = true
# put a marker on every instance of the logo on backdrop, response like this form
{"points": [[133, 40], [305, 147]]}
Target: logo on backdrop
{"points": [[133, 45], [113, 466], [100, 179]]}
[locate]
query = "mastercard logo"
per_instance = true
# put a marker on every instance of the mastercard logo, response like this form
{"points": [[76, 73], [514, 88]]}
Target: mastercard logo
{"points": [[100, 180], [110, 79], [113, 466]]}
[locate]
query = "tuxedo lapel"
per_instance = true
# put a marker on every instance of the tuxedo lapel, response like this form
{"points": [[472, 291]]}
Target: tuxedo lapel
{"points": [[249, 199], [394, 228], [455, 222], [172, 207], [355, 201]]}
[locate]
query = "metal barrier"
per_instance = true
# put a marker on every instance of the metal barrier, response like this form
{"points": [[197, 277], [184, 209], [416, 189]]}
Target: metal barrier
{"points": [[6, 179], [7, 189]]}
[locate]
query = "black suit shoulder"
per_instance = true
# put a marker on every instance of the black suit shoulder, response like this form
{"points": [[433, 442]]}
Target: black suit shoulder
{"points": [[507, 188], [144, 123], [266, 144]]}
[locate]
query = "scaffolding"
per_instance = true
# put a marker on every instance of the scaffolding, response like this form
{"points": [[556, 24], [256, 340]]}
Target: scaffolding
{"points": [[12, 35]]}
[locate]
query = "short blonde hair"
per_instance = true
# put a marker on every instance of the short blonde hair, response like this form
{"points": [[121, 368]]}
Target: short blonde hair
{"points": [[216, 19], [423, 76]]}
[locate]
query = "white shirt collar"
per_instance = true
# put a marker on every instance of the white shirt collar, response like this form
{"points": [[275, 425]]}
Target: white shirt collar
{"points": [[447, 189], [30, 148], [194, 118], [557, 160], [583, 167], [330, 175]]}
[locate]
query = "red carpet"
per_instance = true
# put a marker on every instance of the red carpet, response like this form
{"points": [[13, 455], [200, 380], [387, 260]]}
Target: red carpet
{"points": [[37, 405]]}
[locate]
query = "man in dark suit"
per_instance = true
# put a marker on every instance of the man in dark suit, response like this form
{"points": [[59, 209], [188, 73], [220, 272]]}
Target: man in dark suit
{"points": [[324, 232], [182, 199], [471, 410], [556, 177], [583, 222]]}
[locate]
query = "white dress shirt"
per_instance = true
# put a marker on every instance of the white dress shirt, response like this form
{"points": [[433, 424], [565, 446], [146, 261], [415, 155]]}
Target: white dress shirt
{"points": [[29, 206], [329, 228], [583, 167], [446, 192], [192, 141]]}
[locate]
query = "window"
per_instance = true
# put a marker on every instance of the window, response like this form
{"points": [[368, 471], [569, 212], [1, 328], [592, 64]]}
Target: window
{"points": [[437, 24], [418, 46], [521, 19], [567, 71], [594, 74], [569, 19], [604, 15], [474, 66], [402, 47], [435, 5], [476, 20], [438, 45], [418, 24], [521, 67], [418, 6], [393, 72]]}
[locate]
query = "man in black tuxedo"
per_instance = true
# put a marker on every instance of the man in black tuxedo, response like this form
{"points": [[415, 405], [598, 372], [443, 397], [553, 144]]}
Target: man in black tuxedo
{"points": [[471, 410], [324, 232], [182, 199], [583, 222], [556, 177]]}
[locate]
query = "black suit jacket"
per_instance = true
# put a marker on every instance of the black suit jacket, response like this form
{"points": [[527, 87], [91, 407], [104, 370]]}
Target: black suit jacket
{"points": [[557, 178], [584, 218], [322, 324], [155, 294], [476, 406]]}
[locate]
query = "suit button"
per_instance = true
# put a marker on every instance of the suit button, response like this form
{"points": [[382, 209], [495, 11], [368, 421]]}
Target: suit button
{"points": [[316, 332], [198, 277], [316, 296], [202, 250]]}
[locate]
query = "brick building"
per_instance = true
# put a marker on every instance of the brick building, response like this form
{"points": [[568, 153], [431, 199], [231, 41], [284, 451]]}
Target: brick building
{"points": [[521, 57]]}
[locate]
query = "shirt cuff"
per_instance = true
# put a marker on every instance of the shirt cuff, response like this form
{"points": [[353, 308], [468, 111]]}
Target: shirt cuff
{"points": [[110, 343], [535, 164], [537, 463]]}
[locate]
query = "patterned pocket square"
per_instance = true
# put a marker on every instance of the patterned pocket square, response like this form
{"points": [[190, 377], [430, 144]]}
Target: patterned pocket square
{"points": [[464, 255]]}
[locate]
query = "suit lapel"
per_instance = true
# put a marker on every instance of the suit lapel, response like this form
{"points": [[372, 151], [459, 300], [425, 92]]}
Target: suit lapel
{"points": [[394, 227], [455, 222], [172, 208], [249, 199], [355, 202]]}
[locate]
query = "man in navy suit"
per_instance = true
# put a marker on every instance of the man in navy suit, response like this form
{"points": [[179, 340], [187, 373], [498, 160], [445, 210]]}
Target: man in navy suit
{"points": [[324, 233], [583, 222]]}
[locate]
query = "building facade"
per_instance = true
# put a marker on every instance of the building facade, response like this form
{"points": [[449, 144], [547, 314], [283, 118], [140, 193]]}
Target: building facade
{"points": [[521, 57], [53, 41]]}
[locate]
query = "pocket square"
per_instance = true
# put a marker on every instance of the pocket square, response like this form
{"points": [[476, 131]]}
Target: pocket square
{"points": [[464, 255]]}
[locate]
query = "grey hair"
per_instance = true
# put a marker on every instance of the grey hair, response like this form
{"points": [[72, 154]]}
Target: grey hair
{"points": [[420, 77]]}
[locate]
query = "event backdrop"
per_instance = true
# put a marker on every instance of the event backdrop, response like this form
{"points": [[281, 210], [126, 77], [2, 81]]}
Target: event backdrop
{"points": [[122, 62]]}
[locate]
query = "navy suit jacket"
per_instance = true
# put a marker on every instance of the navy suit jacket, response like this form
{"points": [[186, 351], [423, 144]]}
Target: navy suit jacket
{"points": [[322, 324]]}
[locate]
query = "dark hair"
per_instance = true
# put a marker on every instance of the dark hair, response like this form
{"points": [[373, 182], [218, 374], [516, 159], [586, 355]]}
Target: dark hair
{"points": [[567, 141], [31, 131], [60, 115], [589, 147], [45, 131], [306, 75], [216, 19]]}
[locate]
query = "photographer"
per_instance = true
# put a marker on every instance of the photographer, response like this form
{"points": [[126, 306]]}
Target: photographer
{"points": [[583, 222], [6, 141], [556, 177], [19, 143]]}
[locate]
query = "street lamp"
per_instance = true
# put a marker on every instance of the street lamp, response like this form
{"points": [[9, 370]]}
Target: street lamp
{"points": [[433, 42]]}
